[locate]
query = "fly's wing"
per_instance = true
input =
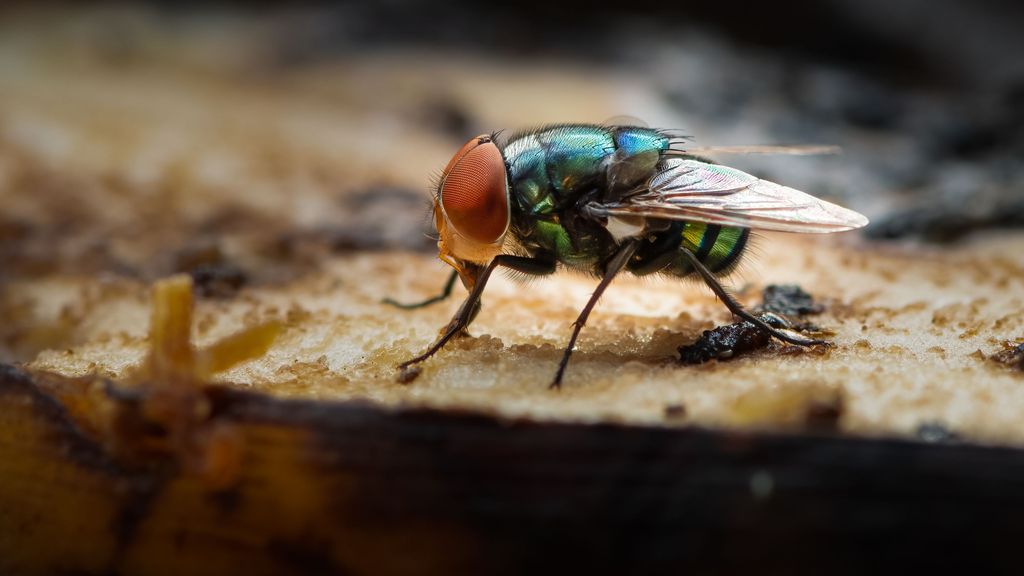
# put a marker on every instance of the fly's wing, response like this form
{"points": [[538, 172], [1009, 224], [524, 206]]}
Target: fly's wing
{"points": [[692, 190], [798, 150], [624, 120]]}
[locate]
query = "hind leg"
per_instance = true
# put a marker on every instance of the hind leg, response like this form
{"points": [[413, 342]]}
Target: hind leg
{"points": [[737, 309]]}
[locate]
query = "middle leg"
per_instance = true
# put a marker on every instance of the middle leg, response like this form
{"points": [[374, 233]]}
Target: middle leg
{"points": [[615, 265]]}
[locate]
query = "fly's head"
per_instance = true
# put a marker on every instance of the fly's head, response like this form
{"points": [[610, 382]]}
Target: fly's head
{"points": [[471, 208]]}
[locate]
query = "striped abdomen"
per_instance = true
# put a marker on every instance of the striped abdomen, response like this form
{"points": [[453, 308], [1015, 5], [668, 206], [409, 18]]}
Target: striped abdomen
{"points": [[719, 248]]}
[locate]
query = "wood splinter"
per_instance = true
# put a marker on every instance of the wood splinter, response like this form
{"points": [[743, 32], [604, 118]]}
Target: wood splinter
{"points": [[172, 410]]}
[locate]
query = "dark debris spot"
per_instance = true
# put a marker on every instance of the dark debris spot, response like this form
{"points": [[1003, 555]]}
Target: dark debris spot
{"points": [[935, 432], [724, 342], [218, 280], [213, 275], [789, 300], [1011, 355], [824, 414], [675, 411], [727, 341]]}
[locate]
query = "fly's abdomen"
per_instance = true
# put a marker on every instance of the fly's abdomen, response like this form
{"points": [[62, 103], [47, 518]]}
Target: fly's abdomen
{"points": [[726, 250], [550, 168], [719, 248]]}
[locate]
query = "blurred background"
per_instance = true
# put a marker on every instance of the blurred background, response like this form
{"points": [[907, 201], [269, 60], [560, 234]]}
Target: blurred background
{"points": [[146, 138], [285, 147]]}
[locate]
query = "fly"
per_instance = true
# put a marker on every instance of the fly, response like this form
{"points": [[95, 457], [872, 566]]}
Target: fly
{"points": [[602, 200]]}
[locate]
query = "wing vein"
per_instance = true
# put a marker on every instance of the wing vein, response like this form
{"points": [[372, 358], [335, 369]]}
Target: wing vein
{"points": [[688, 189]]}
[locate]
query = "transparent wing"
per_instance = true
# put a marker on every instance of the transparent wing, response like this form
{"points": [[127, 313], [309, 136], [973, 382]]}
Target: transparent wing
{"points": [[693, 190], [798, 150], [624, 120]]}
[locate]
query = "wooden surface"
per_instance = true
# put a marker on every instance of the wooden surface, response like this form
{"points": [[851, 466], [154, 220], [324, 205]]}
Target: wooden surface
{"points": [[356, 489], [288, 196]]}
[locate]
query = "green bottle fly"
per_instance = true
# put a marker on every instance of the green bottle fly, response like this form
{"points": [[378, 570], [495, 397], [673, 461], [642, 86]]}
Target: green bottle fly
{"points": [[603, 199], [554, 172]]}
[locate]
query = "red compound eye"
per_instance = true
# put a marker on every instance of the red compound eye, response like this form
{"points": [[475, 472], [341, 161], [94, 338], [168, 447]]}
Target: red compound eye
{"points": [[474, 192]]}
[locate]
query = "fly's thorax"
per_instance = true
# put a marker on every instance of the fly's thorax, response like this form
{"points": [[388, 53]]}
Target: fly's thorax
{"points": [[550, 168]]}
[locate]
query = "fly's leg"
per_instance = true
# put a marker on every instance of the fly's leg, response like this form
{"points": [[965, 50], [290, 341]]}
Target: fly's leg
{"points": [[445, 293], [471, 306], [737, 309], [615, 265], [461, 320]]}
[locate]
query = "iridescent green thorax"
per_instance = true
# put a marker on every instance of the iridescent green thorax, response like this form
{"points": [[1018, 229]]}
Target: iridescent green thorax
{"points": [[550, 168], [554, 239]]}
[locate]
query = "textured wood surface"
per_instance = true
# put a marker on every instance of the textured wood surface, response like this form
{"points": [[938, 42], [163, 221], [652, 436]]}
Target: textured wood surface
{"points": [[285, 199], [353, 488]]}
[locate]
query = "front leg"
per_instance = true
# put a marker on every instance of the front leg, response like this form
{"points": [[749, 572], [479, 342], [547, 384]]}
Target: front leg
{"points": [[467, 312]]}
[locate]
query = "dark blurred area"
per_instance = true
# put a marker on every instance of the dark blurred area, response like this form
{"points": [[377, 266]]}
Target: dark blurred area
{"points": [[951, 43], [925, 98]]}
